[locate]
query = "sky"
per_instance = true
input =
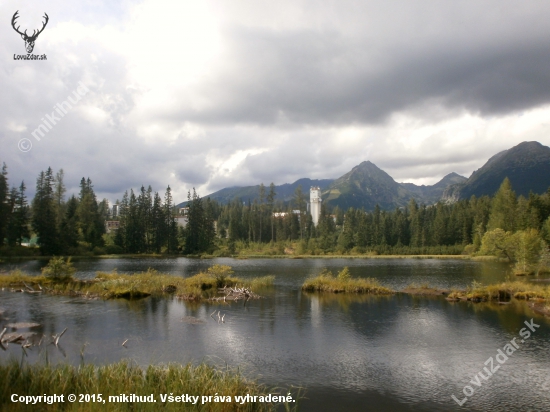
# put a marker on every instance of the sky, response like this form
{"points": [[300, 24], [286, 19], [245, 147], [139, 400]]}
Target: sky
{"points": [[211, 94]]}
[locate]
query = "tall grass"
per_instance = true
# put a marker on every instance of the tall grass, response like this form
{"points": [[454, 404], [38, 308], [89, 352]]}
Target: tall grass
{"points": [[115, 285], [343, 283], [127, 378], [503, 291]]}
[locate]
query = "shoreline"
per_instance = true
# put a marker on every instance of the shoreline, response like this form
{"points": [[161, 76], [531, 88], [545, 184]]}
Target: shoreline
{"points": [[253, 256]]}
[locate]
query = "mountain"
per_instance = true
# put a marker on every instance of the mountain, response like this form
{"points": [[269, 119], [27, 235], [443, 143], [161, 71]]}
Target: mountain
{"points": [[431, 194], [527, 165], [365, 186], [284, 192]]}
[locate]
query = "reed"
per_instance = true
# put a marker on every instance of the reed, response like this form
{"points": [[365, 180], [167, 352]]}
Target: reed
{"points": [[343, 283], [115, 285], [503, 291], [127, 378]]}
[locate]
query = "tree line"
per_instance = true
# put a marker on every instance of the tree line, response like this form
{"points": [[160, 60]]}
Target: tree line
{"points": [[148, 223]]}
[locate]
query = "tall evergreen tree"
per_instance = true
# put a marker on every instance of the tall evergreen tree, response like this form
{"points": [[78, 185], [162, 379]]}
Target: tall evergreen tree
{"points": [[69, 225], [262, 198], [4, 203], [44, 214], [90, 221], [270, 200], [59, 194], [18, 227], [121, 234], [170, 224]]}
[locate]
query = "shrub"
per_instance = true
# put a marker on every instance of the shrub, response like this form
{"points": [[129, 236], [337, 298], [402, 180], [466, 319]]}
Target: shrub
{"points": [[344, 274], [59, 269], [99, 251], [114, 249], [221, 273]]}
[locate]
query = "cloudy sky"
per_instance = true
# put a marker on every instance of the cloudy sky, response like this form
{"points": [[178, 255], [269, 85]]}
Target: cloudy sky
{"points": [[210, 94]]}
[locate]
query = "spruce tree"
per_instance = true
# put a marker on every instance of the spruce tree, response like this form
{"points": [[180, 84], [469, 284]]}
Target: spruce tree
{"points": [[90, 221], [270, 200], [170, 225], [69, 226], [4, 205], [44, 214], [18, 227]]}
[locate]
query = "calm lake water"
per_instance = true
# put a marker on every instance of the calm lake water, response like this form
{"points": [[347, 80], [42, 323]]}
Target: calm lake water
{"points": [[350, 353]]}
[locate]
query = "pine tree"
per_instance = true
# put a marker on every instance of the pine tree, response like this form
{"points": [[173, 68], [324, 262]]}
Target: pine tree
{"points": [[133, 230], [18, 227], [121, 234], [193, 231], [44, 214], [262, 198], [4, 206], [270, 200], [90, 221], [159, 233], [69, 225], [59, 194], [170, 224]]}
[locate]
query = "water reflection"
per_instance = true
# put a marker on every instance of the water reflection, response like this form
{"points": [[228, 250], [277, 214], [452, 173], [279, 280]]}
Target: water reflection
{"points": [[400, 352]]}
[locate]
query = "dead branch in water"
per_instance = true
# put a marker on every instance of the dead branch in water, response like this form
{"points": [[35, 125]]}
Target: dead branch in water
{"points": [[235, 293], [59, 336]]}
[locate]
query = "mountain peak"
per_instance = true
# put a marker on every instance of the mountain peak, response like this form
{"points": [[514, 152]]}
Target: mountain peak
{"points": [[527, 165]]}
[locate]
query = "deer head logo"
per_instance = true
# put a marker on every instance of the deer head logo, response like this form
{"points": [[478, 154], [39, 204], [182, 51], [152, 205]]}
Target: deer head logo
{"points": [[29, 40]]}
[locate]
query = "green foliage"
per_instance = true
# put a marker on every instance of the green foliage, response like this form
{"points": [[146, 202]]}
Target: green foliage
{"points": [[545, 232], [124, 378], [90, 221], [199, 233], [526, 245], [326, 282], [58, 269], [18, 225], [203, 285], [497, 243], [344, 274], [221, 273], [503, 291], [4, 206], [44, 221], [503, 209]]}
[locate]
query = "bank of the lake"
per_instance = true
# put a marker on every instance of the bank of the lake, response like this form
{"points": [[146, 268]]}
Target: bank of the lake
{"points": [[253, 256], [126, 386]]}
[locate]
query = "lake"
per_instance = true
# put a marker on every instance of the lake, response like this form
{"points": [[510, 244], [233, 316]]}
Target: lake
{"points": [[349, 352]]}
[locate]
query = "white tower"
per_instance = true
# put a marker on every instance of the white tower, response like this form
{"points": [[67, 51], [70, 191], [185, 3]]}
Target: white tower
{"points": [[315, 204]]}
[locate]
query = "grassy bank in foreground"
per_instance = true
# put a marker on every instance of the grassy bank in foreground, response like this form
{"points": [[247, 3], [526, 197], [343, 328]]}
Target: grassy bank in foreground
{"points": [[114, 285], [344, 283], [126, 378]]}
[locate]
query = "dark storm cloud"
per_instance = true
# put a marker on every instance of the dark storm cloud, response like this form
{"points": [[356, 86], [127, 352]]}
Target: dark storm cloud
{"points": [[331, 76]]}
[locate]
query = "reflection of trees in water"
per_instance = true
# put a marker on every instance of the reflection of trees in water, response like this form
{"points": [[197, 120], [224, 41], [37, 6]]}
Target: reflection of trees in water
{"points": [[509, 316], [342, 300]]}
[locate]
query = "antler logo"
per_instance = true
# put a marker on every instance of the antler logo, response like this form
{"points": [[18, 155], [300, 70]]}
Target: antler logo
{"points": [[29, 40]]}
